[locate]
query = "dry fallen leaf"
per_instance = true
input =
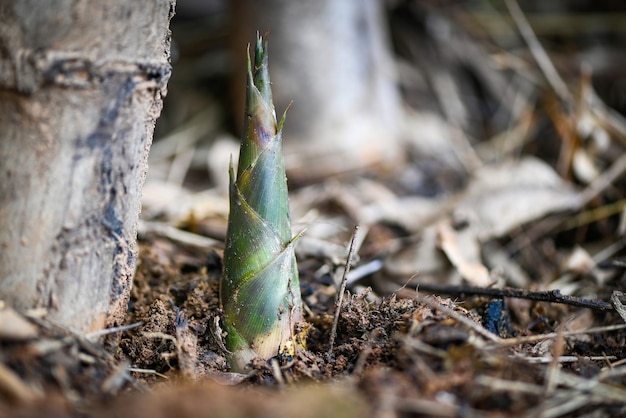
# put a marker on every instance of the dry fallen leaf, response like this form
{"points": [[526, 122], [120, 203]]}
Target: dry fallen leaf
{"points": [[504, 197], [463, 251]]}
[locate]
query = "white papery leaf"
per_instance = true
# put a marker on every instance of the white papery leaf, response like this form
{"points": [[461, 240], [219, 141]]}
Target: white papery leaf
{"points": [[502, 198]]}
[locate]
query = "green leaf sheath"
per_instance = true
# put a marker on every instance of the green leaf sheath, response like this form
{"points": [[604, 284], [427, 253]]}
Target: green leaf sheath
{"points": [[259, 291]]}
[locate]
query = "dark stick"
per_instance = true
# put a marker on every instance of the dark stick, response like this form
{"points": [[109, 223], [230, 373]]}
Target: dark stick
{"points": [[342, 290], [554, 296]]}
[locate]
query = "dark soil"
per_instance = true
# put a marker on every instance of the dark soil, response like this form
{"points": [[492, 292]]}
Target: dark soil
{"points": [[393, 356]]}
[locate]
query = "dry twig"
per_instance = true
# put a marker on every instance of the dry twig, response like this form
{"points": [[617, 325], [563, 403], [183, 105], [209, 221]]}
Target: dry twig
{"points": [[342, 290], [553, 296]]}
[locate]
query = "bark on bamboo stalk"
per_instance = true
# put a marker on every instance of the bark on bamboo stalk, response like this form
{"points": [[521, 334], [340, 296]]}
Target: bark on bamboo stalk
{"points": [[81, 85], [260, 292]]}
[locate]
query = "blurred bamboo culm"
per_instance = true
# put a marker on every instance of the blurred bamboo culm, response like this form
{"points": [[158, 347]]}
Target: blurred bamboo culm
{"points": [[333, 61], [259, 292]]}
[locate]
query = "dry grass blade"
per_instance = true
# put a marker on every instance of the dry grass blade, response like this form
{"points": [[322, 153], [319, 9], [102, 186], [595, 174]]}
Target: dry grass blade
{"points": [[538, 52], [112, 330], [509, 342], [176, 235], [600, 391], [498, 384]]}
